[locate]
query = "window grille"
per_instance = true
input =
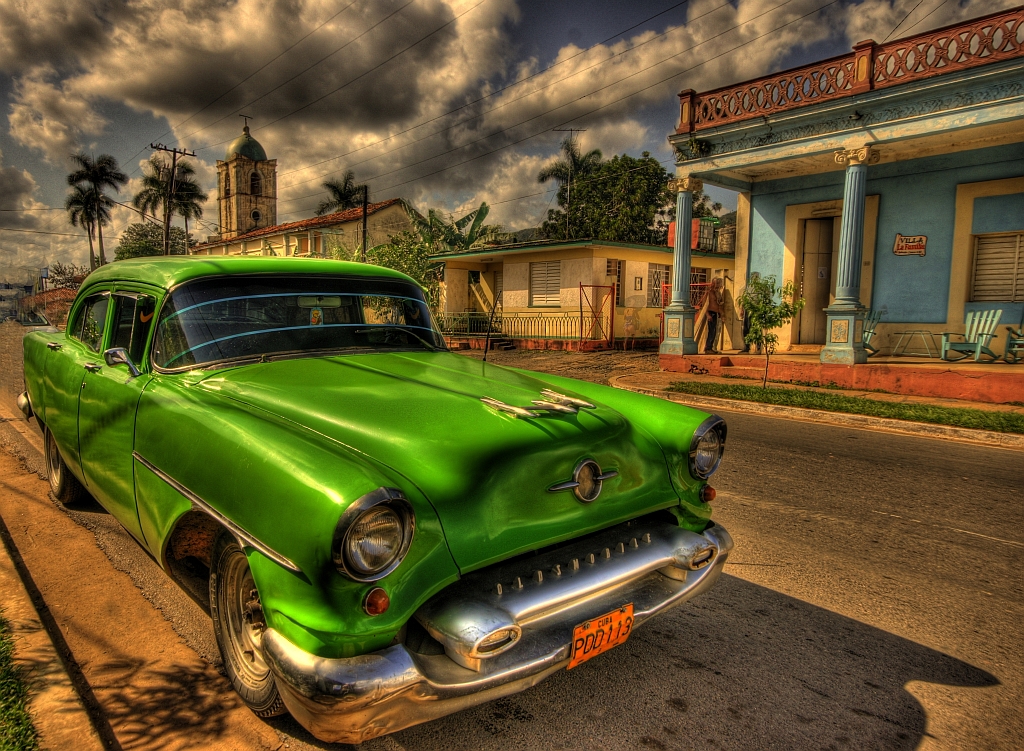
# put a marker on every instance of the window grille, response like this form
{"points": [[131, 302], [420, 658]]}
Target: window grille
{"points": [[620, 269], [998, 274], [545, 284], [658, 274]]}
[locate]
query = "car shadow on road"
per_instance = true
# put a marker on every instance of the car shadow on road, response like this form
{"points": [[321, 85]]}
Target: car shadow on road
{"points": [[741, 667]]}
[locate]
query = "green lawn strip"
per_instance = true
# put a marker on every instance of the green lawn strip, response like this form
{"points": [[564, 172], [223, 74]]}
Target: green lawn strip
{"points": [[1002, 422], [16, 730]]}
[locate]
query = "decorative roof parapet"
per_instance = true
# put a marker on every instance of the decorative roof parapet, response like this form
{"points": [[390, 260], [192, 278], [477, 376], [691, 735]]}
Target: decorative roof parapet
{"points": [[984, 40]]}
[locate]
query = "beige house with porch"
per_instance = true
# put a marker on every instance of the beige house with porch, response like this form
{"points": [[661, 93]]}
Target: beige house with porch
{"points": [[589, 289]]}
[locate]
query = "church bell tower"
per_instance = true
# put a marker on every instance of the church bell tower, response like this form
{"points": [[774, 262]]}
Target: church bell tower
{"points": [[246, 187]]}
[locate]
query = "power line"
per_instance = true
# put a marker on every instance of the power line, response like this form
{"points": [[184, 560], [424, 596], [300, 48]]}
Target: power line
{"points": [[300, 73], [47, 208], [495, 93], [927, 16], [902, 21], [262, 67], [361, 75], [577, 117], [42, 232]]}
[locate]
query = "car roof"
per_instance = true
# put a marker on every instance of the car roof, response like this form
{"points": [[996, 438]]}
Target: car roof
{"points": [[169, 271]]}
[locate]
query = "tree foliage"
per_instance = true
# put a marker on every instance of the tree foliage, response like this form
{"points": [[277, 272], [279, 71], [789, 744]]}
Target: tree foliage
{"points": [[342, 194], [446, 234], [67, 275], [88, 204], [768, 307], [147, 239], [623, 198], [407, 252]]}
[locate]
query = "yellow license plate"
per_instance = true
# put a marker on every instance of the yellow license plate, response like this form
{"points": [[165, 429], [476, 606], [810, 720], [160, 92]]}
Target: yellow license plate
{"points": [[601, 634]]}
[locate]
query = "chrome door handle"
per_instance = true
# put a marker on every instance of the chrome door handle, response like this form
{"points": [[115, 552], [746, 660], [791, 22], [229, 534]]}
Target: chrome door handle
{"points": [[93, 367], [54, 346]]}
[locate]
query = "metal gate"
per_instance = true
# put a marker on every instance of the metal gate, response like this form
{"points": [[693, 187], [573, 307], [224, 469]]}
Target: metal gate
{"points": [[597, 313]]}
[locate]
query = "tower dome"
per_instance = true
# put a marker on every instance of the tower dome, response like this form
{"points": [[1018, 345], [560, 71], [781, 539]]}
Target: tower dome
{"points": [[247, 146]]}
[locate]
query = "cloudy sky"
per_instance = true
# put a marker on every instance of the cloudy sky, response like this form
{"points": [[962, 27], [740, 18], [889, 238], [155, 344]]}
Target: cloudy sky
{"points": [[444, 102]]}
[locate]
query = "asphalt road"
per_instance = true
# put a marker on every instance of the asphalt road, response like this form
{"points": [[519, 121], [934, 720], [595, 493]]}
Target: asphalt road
{"points": [[874, 600]]}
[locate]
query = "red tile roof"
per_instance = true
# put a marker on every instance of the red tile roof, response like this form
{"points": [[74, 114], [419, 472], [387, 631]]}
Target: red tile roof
{"points": [[304, 225]]}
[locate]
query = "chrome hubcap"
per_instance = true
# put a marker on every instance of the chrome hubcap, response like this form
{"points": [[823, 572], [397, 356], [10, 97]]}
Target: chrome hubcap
{"points": [[54, 468], [243, 620]]}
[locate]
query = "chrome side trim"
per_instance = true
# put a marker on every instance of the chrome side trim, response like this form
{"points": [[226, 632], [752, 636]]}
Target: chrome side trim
{"points": [[201, 505], [351, 700]]}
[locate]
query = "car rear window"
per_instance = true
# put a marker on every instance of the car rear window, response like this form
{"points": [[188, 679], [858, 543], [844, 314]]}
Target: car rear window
{"points": [[230, 318]]}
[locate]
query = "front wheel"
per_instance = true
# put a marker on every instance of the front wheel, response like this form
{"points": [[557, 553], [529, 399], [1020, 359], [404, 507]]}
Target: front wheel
{"points": [[64, 486], [238, 625]]}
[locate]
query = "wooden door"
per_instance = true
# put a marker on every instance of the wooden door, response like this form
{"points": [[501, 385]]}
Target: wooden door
{"points": [[816, 275]]}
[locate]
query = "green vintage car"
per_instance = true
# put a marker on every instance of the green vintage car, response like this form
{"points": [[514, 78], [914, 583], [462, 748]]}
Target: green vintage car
{"points": [[382, 531]]}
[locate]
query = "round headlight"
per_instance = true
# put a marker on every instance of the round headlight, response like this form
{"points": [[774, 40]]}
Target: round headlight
{"points": [[373, 535], [707, 447]]}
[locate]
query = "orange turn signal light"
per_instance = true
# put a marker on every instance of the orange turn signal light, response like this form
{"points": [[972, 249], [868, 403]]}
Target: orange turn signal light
{"points": [[377, 602], [707, 494]]}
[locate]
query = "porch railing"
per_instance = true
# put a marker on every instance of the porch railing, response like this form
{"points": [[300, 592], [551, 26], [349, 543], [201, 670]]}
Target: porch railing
{"points": [[968, 44], [560, 325]]}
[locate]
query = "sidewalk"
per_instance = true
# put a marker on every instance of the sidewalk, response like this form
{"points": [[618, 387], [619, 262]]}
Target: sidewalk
{"points": [[658, 383]]}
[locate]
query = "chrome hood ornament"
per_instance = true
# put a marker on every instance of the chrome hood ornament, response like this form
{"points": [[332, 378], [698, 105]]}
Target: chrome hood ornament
{"points": [[553, 403]]}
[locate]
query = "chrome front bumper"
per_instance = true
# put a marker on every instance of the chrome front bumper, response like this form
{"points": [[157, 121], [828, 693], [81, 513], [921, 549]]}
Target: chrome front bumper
{"points": [[350, 700]]}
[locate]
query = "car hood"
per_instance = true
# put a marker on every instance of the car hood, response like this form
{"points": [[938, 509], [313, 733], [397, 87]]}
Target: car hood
{"points": [[487, 473]]}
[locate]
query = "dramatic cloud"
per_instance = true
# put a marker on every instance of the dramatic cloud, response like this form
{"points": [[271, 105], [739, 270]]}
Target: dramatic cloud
{"points": [[329, 99], [51, 117]]}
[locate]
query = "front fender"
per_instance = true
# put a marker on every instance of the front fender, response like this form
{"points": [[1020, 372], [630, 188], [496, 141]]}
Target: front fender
{"points": [[286, 486]]}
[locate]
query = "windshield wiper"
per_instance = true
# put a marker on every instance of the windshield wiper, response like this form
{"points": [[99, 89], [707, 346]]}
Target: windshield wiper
{"points": [[404, 330]]}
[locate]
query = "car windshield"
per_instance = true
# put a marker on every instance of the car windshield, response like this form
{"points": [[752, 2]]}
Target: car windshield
{"points": [[230, 318]]}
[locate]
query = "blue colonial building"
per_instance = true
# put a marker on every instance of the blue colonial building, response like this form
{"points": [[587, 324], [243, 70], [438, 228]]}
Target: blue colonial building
{"points": [[886, 181]]}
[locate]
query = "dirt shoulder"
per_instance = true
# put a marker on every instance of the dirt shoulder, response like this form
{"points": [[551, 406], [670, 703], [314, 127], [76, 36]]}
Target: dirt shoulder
{"points": [[143, 681]]}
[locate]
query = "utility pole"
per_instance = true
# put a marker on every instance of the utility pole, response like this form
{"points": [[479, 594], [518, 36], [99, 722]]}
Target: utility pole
{"points": [[169, 201], [366, 203], [568, 183]]}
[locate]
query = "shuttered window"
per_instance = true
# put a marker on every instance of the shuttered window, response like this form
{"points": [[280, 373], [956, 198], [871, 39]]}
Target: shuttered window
{"points": [[998, 268], [499, 287], [545, 283]]}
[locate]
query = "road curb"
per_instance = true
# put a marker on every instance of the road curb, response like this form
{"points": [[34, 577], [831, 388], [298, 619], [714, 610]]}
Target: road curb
{"points": [[1011, 441], [56, 709]]}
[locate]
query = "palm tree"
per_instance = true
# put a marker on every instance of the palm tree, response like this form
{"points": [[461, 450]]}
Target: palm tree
{"points": [[344, 194], [155, 195], [99, 174], [574, 165], [81, 212]]}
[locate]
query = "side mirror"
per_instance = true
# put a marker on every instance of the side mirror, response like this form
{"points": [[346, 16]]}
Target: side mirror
{"points": [[120, 356]]}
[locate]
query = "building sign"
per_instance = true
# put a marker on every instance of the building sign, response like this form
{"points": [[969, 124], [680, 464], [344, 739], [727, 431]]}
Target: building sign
{"points": [[910, 245]]}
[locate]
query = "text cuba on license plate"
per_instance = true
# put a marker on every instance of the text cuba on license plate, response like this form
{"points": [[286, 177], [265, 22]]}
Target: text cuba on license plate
{"points": [[601, 634]]}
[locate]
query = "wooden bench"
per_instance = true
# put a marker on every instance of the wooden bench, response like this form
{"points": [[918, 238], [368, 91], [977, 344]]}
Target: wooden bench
{"points": [[980, 327]]}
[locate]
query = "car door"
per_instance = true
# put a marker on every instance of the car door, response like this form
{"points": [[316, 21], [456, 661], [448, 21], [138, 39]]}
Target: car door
{"points": [[106, 413], [65, 373]]}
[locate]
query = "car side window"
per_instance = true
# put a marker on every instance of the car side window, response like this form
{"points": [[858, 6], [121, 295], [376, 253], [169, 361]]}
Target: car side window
{"points": [[133, 317], [93, 320]]}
